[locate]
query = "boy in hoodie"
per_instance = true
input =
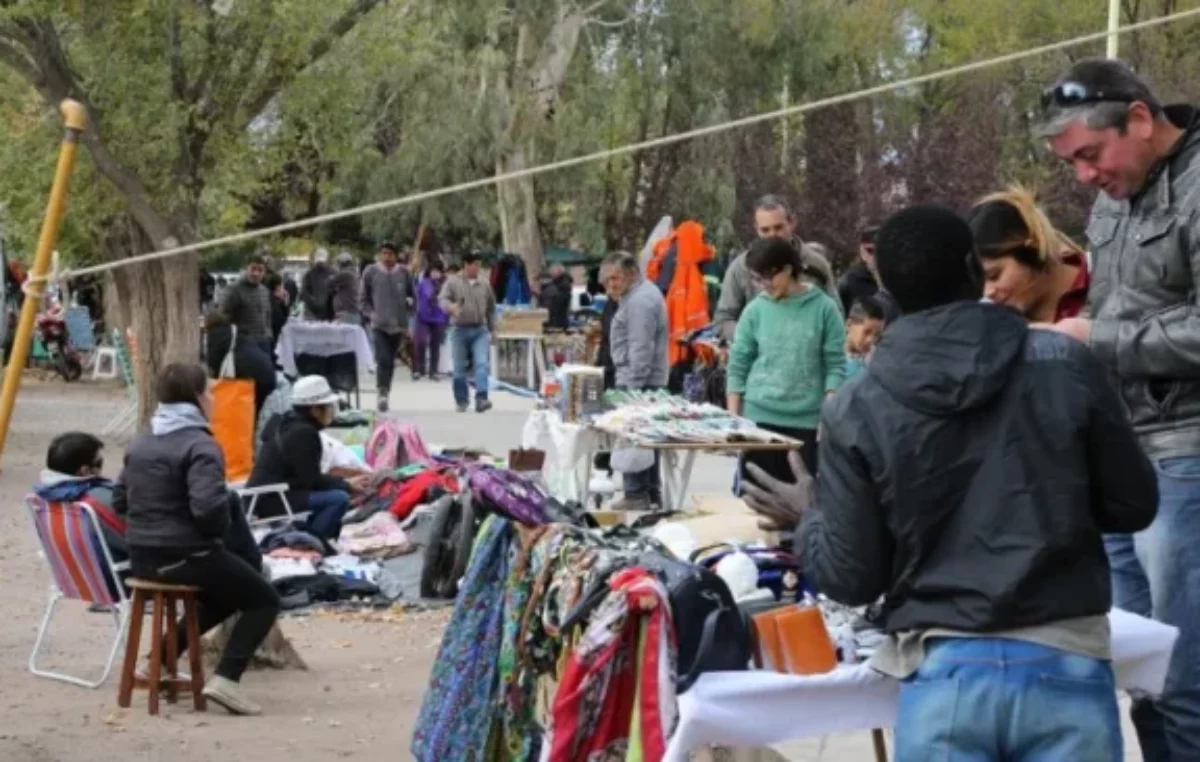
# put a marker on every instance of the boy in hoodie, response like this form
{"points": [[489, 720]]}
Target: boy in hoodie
{"points": [[74, 473], [968, 478]]}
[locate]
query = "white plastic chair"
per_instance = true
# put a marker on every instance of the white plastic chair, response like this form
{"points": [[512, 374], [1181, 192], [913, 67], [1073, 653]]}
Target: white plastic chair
{"points": [[81, 569]]}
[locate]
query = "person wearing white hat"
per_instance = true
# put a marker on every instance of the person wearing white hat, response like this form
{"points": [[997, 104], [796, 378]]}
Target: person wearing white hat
{"points": [[291, 453]]}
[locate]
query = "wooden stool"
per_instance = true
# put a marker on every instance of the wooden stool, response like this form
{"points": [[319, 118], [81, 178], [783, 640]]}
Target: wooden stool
{"points": [[164, 598]]}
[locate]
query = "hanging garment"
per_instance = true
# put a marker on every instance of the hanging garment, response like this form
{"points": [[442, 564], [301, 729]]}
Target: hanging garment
{"points": [[616, 699], [687, 297], [457, 711]]}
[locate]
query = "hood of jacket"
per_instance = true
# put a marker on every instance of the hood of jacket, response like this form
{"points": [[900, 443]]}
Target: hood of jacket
{"points": [[170, 418], [950, 359], [59, 487]]}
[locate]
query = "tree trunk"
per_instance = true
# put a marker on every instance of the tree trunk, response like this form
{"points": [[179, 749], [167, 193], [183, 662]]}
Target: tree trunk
{"points": [[518, 212], [276, 652], [162, 296]]}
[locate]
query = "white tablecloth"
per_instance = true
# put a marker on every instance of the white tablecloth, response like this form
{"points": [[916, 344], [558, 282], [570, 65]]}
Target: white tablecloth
{"points": [[323, 340], [753, 709]]}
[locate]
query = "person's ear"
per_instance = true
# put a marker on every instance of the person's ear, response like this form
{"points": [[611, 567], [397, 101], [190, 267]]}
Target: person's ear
{"points": [[1141, 121]]}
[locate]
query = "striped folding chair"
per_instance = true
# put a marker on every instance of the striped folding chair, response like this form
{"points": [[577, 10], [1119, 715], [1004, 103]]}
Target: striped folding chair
{"points": [[81, 569]]}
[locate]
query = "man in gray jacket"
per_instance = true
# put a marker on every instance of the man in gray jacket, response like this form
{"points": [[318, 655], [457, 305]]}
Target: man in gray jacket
{"points": [[386, 289], [468, 299], [772, 219], [1143, 322], [638, 343]]}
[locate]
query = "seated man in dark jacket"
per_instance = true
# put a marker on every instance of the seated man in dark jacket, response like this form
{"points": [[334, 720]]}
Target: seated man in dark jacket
{"points": [[967, 474], [74, 473], [291, 454]]}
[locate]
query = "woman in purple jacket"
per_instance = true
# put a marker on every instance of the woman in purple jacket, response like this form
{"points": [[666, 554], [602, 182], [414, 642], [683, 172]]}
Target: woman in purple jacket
{"points": [[430, 328]]}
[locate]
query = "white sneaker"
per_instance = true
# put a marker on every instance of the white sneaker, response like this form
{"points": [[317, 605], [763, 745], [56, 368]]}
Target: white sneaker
{"points": [[229, 695]]}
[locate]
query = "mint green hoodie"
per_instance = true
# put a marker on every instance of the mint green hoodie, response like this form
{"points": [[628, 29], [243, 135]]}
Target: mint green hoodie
{"points": [[786, 355]]}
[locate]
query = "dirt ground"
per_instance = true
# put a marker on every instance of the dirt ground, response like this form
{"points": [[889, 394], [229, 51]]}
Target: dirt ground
{"points": [[358, 700]]}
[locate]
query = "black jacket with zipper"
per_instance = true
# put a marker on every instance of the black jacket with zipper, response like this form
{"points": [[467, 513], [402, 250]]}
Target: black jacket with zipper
{"points": [[290, 453], [968, 475]]}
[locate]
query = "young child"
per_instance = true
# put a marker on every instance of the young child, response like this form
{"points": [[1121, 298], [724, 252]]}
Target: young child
{"points": [[864, 325]]}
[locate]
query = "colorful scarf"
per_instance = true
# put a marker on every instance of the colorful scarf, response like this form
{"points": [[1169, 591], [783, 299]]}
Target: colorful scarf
{"points": [[616, 699], [456, 714]]}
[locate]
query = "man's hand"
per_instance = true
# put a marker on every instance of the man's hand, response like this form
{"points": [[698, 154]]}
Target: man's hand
{"points": [[781, 504], [1079, 329]]}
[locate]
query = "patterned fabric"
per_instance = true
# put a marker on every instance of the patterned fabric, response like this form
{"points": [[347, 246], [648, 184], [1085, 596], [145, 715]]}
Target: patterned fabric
{"points": [[71, 540], [616, 699], [456, 714]]}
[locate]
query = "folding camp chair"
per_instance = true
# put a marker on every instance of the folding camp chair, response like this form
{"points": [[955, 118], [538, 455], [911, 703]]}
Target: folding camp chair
{"points": [[250, 496], [81, 569], [126, 420]]}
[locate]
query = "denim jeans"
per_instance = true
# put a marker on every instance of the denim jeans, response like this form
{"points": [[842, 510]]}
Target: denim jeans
{"points": [[326, 509], [991, 699], [1156, 573], [470, 343]]}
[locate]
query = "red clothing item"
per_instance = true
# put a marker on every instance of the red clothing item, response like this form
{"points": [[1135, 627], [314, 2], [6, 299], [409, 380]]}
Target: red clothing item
{"points": [[411, 493], [1071, 303]]}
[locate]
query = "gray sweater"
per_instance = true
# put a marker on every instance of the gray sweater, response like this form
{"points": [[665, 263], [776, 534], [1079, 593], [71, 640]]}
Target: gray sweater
{"points": [[385, 295], [638, 338], [474, 300]]}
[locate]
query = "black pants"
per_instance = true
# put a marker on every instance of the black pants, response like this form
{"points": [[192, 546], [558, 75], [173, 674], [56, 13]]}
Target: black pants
{"points": [[775, 462], [387, 346], [228, 585]]}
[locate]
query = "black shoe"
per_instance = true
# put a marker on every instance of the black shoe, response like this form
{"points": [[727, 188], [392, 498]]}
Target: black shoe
{"points": [[382, 404], [482, 406], [416, 377]]}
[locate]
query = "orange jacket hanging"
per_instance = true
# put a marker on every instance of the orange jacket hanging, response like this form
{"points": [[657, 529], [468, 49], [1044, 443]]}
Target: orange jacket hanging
{"points": [[687, 296]]}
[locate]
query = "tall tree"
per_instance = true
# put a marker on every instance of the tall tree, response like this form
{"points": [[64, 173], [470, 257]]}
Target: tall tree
{"points": [[176, 91]]}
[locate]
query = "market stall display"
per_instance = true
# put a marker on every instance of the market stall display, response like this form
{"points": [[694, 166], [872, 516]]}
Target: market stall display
{"points": [[677, 429], [338, 351]]}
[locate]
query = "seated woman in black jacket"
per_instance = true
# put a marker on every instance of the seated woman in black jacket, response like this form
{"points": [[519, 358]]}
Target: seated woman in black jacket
{"points": [[178, 516], [290, 453]]}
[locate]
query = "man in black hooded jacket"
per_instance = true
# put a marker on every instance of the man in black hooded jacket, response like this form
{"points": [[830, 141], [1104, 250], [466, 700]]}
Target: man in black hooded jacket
{"points": [[967, 475]]}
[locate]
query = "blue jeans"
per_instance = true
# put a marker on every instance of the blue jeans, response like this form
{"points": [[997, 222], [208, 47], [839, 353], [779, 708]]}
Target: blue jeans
{"points": [[1156, 573], [470, 343], [326, 509], [991, 699]]}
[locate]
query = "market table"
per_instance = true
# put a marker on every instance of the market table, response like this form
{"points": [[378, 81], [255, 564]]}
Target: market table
{"points": [[760, 708], [570, 448]]}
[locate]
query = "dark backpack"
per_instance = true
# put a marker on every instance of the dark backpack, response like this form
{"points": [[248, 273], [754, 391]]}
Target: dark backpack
{"points": [[712, 633]]}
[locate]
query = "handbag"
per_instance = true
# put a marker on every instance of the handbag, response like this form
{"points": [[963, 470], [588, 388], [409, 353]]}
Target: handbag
{"points": [[232, 420]]}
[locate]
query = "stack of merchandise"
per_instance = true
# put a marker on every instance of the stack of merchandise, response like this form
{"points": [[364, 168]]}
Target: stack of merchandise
{"points": [[580, 392], [660, 418]]}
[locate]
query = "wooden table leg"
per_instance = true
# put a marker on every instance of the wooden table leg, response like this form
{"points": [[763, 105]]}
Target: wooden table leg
{"points": [[880, 743]]}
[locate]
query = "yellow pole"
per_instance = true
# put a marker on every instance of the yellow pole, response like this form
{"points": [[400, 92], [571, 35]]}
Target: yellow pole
{"points": [[75, 118]]}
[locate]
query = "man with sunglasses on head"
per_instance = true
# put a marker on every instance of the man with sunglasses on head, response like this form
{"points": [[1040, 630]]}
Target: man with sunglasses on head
{"points": [[1143, 323]]}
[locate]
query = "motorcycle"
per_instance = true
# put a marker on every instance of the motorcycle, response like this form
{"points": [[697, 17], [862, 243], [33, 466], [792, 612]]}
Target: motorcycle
{"points": [[52, 330]]}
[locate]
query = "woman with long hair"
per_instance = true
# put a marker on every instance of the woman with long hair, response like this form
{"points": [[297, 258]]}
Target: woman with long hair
{"points": [[1028, 264]]}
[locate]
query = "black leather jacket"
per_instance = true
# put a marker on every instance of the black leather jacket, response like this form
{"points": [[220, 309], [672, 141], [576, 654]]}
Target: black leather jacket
{"points": [[1144, 299], [968, 474]]}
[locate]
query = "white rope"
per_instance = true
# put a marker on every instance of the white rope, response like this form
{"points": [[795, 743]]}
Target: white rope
{"points": [[630, 148]]}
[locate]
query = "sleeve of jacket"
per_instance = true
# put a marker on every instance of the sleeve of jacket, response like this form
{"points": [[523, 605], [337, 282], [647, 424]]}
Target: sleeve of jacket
{"points": [[449, 295], [1124, 485], [120, 502], [231, 303], [732, 301], [644, 323], [303, 446], [491, 310], [743, 352], [365, 293], [834, 348], [817, 261], [307, 297], [1164, 343], [843, 542], [208, 497]]}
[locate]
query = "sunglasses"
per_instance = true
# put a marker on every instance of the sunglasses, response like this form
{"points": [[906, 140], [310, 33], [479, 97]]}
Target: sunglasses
{"points": [[1069, 94]]}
